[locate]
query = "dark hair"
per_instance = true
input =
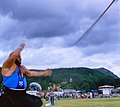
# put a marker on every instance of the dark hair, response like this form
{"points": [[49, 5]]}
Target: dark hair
{"points": [[17, 62]]}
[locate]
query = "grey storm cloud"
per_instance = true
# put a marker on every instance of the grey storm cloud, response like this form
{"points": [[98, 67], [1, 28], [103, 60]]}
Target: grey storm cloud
{"points": [[60, 18], [50, 18]]}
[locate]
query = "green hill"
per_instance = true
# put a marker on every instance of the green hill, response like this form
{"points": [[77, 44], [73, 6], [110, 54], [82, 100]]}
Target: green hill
{"points": [[84, 78], [78, 78]]}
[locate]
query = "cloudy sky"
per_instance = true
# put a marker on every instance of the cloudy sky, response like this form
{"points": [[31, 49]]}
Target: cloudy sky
{"points": [[49, 28]]}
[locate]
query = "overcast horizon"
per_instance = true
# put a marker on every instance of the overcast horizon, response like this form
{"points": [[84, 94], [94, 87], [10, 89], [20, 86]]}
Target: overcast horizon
{"points": [[49, 28]]}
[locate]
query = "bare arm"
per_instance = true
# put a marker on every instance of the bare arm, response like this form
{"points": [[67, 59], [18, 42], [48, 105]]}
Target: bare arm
{"points": [[12, 57], [9, 65], [47, 72]]}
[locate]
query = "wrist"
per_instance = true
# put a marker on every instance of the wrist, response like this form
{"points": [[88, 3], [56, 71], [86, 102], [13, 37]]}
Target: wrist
{"points": [[21, 47]]}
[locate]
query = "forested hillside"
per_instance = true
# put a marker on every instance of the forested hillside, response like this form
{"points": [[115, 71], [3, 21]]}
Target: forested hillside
{"points": [[84, 78], [78, 78]]}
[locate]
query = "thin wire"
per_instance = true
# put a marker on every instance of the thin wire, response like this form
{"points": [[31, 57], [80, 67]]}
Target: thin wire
{"points": [[87, 32]]}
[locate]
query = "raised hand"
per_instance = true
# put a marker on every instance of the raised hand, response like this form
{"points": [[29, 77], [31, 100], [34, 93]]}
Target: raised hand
{"points": [[22, 45]]}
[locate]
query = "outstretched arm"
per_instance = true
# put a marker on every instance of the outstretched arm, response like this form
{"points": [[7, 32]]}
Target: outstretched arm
{"points": [[29, 73], [13, 56], [9, 65]]}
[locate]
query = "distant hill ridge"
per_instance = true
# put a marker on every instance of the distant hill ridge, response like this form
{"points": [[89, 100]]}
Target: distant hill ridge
{"points": [[107, 72], [101, 70]]}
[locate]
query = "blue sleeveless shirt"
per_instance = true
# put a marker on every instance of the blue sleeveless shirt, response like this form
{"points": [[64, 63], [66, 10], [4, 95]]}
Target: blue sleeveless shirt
{"points": [[15, 80]]}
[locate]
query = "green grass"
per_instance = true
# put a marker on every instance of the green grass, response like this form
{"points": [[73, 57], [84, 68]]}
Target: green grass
{"points": [[103, 102]]}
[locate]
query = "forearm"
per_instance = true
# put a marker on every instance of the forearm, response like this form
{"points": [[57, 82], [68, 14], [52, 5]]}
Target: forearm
{"points": [[16, 53], [18, 50], [38, 74], [47, 72]]}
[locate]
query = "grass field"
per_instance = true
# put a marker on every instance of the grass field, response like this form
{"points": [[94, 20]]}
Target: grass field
{"points": [[103, 102]]}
